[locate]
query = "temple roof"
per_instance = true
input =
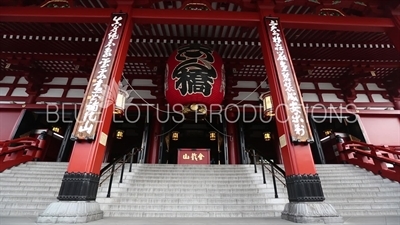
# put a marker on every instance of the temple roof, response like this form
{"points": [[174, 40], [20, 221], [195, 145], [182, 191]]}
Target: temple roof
{"points": [[56, 49]]}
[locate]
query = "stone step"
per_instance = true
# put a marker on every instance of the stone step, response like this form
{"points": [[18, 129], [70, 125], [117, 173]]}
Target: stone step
{"points": [[51, 183], [332, 167], [32, 172], [370, 200], [190, 166], [191, 195], [233, 201], [376, 205], [43, 193], [31, 179], [188, 186], [238, 177], [353, 174], [365, 194], [45, 163], [133, 180], [29, 188], [361, 189], [343, 171], [355, 179], [21, 213], [192, 190], [40, 166], [14, 198], [173, 179], [191, 207], [356, 185], [36, 168], [363, 181], [222, 168], [368, 212], [120, 213], [187, 191], [150, 180], [190, 173], [23, 205], [27, 175]]}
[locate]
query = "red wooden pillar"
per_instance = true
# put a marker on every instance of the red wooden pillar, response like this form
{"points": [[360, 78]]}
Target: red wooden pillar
{"points": [[154, 141], [393, 86], [233, 141], [81, 180], [394, 33], [397, 104], [303, 182]]}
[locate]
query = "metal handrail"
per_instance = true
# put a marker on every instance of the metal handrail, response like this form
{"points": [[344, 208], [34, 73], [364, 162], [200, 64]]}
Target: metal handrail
{"points": [[272, 171], [111, 168], [274, 167]]}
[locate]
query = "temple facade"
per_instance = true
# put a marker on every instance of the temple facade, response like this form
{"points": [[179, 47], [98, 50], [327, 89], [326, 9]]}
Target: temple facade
{"points": [[200, 82]]}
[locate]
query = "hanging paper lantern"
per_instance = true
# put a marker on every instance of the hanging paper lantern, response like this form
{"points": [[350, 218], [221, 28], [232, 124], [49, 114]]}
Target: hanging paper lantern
{"points": [[194, 75]]}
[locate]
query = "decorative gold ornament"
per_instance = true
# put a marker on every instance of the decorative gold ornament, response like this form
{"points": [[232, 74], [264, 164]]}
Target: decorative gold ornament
{"points": [[56, 129], [175, 135], [267, 136], [213, 135], [327, 132], [119, 134]]}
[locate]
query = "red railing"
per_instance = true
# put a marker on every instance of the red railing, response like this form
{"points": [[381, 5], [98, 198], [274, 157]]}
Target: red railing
{"points": [[382, 160], [17, 151]]}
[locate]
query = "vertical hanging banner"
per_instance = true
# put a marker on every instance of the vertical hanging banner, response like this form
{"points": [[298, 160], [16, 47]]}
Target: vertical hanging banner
{"points": [[296, 114], [94, 102]]}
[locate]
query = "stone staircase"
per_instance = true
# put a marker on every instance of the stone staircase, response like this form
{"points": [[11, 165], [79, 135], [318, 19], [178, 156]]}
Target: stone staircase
{"points": [[196, 191], [354, 191], [26, 190], [191, 191]]}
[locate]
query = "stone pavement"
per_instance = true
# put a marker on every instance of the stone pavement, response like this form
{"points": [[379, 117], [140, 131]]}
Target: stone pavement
{"points": [[382, 220]]}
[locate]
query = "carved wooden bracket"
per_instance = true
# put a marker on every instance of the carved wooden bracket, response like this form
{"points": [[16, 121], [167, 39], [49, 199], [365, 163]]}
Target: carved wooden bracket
{"points": [[348, 87], [35, 85], [56, 4]]}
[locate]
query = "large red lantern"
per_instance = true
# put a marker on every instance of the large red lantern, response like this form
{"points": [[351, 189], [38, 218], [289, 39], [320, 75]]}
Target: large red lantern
{"points": [[194, 75]]}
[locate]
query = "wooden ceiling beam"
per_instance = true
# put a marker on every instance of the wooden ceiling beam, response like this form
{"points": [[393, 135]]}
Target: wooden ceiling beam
{"points": [[158, 16], [89, 60], [55, 15]]}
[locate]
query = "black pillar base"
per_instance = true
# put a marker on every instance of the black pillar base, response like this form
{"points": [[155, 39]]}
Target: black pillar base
{"points": [[304, 188], [79, 187]]}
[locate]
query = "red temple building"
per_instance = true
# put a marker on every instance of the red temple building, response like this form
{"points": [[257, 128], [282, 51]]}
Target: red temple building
{"points": [[299, 83]]}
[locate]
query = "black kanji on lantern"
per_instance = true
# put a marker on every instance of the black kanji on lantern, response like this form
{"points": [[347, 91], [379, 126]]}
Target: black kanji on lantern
{"points": [[194, 73]]}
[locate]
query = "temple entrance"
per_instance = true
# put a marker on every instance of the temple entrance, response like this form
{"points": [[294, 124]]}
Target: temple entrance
{"points": [[261, 136], [193, 135], [327, 130], [126, 135]]}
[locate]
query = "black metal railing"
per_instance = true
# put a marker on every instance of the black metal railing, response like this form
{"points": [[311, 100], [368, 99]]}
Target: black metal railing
{"points": [[276, 171], [111, 168]]}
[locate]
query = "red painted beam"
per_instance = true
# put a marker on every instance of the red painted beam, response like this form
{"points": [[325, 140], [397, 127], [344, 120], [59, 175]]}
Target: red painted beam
{"points": [[163, 60], [157, 16], [54, 15], [314, 22], [175, 16], [170, 16]]}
